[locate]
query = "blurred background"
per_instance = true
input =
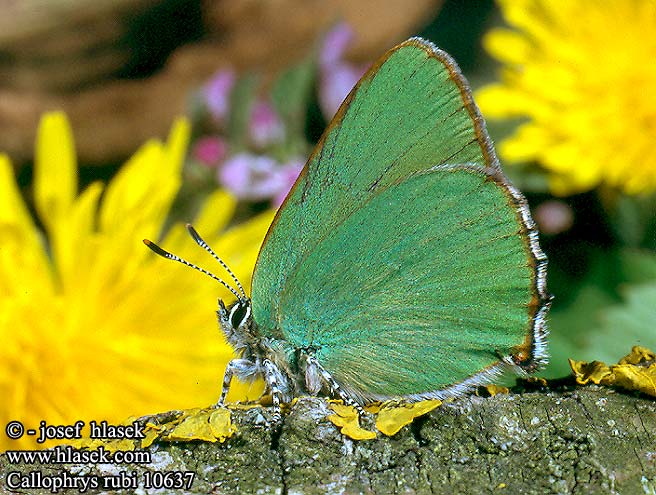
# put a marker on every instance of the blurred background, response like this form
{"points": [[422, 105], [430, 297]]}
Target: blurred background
{"points": [[566, 89]]}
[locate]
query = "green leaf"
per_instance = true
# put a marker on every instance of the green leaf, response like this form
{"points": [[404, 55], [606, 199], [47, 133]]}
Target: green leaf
{"points": [[624, 325], [579, 327], [242, 98], [570, 327], [638, 265], [633, 219]]}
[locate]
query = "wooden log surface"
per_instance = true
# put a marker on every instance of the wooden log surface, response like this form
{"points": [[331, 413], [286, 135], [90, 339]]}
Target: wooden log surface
{"points": [[573, 440]]}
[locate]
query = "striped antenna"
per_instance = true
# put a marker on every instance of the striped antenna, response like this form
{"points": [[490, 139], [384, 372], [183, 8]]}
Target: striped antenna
{"points": [[165, 254], [199, 240]]}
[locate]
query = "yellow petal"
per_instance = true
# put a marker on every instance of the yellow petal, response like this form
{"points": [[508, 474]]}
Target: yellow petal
{"points": [[22, 257], [69, 249], [348, 421], [194, 426], [392, 418], [118, 309], [595, 371], [55, 169], [528, 142], [140, 195], [206, 425], [85, 208], [151, 433], [122, 445], [216, 213], [638, 355], [221, 424], [586, 87], [508, 46], [176, 145], [138, 192], [373, 407], [635, 371], [211, 220], [249, 237], [492, 390], [495, 101], [633, 377], [13, 210]]}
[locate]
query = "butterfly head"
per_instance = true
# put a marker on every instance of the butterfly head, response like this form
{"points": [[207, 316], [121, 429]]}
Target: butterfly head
{"points": [[236, 322]]}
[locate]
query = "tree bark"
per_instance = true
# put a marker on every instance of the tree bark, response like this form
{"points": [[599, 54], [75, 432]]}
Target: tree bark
{"points": [[576, 440]]}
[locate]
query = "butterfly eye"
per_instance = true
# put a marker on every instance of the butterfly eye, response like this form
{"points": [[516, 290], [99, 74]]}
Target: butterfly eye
{"points": [[239, 313]]}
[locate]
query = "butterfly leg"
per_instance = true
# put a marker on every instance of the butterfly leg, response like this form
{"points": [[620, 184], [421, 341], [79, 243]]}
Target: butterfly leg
{"points": [[314, 367], [272, 376], [243, 368]]}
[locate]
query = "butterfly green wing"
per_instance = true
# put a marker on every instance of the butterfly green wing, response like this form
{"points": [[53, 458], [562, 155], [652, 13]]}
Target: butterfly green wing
{"points": [[407, 296], [411, 112]]}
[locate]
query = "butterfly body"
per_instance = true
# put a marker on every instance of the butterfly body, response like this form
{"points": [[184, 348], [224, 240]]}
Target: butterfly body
{"points": [[403, 264]]}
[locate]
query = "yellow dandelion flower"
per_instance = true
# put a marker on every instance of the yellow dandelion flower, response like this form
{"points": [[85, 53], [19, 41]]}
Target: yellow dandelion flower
{"points": [[582, 73], [92, 325]]}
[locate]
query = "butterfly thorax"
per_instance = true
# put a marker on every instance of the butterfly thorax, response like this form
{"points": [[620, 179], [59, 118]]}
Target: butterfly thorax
{"points": [[253, 349]]}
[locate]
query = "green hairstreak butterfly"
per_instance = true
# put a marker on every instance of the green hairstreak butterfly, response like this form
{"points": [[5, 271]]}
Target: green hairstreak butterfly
{"points": [[403, 264]]}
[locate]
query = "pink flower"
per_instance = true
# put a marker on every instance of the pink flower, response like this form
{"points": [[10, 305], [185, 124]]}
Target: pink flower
{"points": [[554, 217], [335, 44], [258, 177], [250, 176], [217, 93], [210, 150], [288, 174], [335, 85], [265, 127]]}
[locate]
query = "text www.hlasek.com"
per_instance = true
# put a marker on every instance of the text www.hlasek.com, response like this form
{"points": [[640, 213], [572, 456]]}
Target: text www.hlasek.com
{"points": [[69, 455]]}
